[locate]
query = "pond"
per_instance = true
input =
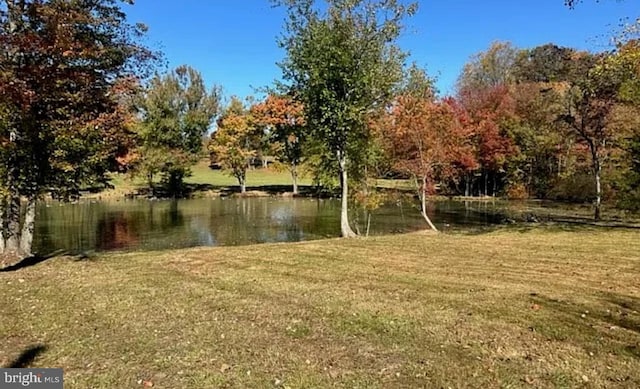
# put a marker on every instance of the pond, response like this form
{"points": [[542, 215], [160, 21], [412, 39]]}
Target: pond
{"points": [[89, 226]]}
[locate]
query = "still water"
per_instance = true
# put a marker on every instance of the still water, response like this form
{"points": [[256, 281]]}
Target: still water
{"points": [[90, 226]]}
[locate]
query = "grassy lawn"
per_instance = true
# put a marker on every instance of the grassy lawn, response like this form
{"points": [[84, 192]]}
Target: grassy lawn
{"points": [[203, 174], [507, 309], [205, 179]]}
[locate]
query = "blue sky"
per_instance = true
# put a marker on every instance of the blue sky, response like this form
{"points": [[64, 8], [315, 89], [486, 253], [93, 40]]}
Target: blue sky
{"points": [[233, 42]]}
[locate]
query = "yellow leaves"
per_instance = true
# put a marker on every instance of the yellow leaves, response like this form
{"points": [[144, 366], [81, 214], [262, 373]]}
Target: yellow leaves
{"points": [[370, 200], [231, 144]]}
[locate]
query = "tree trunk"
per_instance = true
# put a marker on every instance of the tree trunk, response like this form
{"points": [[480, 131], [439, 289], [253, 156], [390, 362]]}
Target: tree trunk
{"points": [[12, 243], [243, 184], [176, 188], [294, 178], [345, 228], [423, 204], [26, 238], [11, 221], [495, 185], [597, 171], [485, 184], [3, 223], [467, 189], [150, 183], [368, 222]]}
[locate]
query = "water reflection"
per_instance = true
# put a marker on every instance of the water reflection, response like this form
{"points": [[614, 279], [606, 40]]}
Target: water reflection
{"points": [[149, 225]]}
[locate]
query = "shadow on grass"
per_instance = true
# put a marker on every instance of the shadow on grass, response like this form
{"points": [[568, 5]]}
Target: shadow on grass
{"points": [[27, 357], [193, 190], [550, 226], [278, 190], [614, 319], [31, 261], [163, 192]]}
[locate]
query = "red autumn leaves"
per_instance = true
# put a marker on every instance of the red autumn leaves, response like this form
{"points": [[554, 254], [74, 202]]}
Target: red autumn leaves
{"points": [[443, 140]]}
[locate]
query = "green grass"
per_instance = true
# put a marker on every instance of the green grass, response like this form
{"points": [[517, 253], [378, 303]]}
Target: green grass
{"points": [[402, 185], [538, 308], [203, 174], [204, 179]]}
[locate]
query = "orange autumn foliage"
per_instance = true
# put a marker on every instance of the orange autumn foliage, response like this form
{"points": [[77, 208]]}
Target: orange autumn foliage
{"points": [[429, 140]]}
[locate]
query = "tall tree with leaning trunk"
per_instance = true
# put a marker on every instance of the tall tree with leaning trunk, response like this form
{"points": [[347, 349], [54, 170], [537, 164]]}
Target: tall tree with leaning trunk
{"points": [[590, 99], [342, 62], [64, 68], [425, 138]]}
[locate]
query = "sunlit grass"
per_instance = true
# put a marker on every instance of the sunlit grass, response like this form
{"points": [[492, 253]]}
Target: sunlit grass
{"points": [[513, 308], [203, 174], [204, 179]]}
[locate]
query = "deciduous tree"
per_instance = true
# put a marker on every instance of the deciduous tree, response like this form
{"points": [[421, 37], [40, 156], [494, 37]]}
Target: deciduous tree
{"points": [[177, 110], [283, 119], [425, 138], [589, 101], [232, 144], [342, 62], [64, 67], [489, 69], [490, 109]]}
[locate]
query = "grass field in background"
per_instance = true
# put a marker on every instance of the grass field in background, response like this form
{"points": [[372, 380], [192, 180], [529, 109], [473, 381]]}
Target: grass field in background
{"points": [[204, 179], [514, 308]]}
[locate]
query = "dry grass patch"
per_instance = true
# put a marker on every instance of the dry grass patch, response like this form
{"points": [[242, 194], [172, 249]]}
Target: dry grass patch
{"points": [[532, 308]]}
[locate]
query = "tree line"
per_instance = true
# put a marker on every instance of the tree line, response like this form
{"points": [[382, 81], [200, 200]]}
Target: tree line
{"points": [[80, 97], [547, 122]]}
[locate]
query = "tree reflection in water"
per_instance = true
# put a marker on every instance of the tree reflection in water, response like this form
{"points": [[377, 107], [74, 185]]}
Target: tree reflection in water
{"points": [[152, 225]]}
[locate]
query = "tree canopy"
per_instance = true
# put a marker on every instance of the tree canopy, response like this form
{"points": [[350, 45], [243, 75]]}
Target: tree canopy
{"points": [[64, 67], [232, 144], [177, 111], [342, 63]]}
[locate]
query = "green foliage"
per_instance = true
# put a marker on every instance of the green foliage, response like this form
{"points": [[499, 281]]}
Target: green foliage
{"points": [[535, 133], [630, 183], [342, 63], [64, 131], [417, 83], [65, 68], [491, 68], [550, 63], [623, 66], [321, 165], [577, 188], [177, 110]]}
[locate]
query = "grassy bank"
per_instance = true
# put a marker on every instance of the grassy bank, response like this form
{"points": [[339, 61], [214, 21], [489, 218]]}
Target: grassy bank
{"points": [[206, 181], [535, 308]]}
